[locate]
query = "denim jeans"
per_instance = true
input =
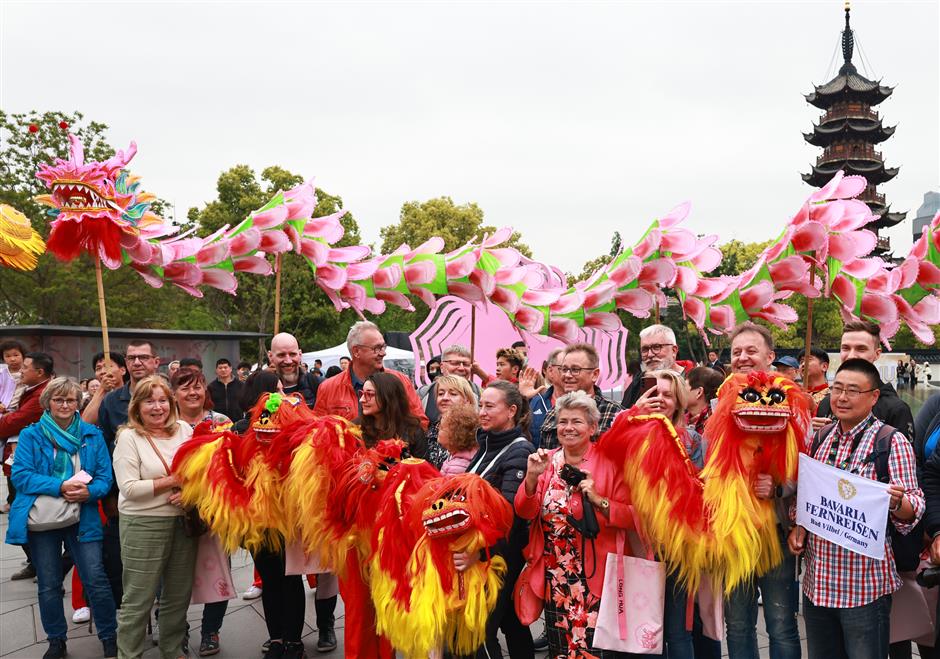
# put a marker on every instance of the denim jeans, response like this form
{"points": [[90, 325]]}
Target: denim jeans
{"points": [[46, 550], [859, 632], [777, 590], [681, 643]]}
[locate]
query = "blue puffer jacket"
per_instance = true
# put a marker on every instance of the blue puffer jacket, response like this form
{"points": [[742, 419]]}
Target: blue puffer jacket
{"points": [[32, 469]]}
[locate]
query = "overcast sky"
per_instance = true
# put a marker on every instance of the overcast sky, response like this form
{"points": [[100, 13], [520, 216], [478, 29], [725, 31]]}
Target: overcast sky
{"points": [[567, 121]]}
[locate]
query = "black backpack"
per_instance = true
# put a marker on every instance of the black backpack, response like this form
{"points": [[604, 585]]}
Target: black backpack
{"points": [[906, 548]]}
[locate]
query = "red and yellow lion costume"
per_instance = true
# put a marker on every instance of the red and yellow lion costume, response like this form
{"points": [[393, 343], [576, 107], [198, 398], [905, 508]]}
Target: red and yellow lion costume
{"points": [[712, 521]]}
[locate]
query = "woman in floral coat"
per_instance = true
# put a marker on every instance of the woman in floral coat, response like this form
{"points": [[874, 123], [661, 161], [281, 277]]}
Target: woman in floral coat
{"points": [[574, 567]]}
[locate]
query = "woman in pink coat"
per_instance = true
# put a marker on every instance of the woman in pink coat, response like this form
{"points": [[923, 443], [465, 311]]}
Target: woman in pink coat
{"points": [[573, 566]]}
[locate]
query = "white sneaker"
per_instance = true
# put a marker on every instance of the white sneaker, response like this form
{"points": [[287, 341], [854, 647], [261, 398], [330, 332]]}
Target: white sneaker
{"points": [[252, 593], [82, 614]]}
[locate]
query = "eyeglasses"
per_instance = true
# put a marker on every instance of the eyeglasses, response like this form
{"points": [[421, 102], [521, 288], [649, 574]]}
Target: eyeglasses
{"points": [[367, 395], [851, 393], [138, 358], [378, 350], [457, 363], [574, 370], [654, 347], [64, 402]]}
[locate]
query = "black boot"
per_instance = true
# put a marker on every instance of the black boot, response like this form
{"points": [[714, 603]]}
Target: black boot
{"points": [[327, 637]]}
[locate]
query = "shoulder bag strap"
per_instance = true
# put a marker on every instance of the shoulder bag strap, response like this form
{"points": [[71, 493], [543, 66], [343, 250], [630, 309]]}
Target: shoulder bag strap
{"points": [[496, 457], [157, 451]]}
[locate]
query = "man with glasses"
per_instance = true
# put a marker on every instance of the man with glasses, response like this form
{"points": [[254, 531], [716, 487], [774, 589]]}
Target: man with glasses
{"points": [[454, 361], [862, 339], [579, 371], [542, 402], [340, 394], [847, 596], [36, 372], [658, 351]]}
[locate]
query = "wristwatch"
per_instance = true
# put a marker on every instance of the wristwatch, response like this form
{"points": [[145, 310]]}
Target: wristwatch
{"points": [[605, 504]]}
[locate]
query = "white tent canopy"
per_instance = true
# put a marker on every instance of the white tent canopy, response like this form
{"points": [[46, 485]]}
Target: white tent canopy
{"points": [[331, 356]]}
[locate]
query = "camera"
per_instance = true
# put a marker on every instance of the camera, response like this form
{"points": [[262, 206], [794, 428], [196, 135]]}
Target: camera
{"points": [[571, 475], [929, 577]]}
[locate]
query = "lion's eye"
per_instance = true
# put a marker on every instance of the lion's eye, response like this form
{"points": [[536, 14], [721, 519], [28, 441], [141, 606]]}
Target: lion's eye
{"points": [[750, 395], [776, 396]]}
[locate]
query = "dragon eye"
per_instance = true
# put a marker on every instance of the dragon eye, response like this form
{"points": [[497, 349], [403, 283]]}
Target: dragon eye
{"points": [[776, 396], [750, 395]]}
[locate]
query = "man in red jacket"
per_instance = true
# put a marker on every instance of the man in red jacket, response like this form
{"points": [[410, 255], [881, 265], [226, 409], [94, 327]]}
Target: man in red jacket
{"points": [[36, 373], [339, 394]]}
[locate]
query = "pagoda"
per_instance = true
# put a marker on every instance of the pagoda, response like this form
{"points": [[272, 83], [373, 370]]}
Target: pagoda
{"points": [[848, 133]]}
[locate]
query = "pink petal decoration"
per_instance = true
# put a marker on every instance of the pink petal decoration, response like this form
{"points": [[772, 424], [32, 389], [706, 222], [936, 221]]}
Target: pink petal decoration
{"points": [[221, 279], [602, 320], [246, 242], [853, 244], [568, 302], [626, 272], [658, 271], [863, 268], [273, 217], [881, 308], [928, 310], [791, 269], [256, 265], [328, 228], [316, 251], [149, 277], [214, 253], [498, 238], [809, 236], [506, 299], [635, 301], [694, 309], [843, 289], [676, 215], [530, 319], [462, 266], [396, 298], [686, 279], [722, 317], [348, 254], [275, 242], [649, 244], [468, 292], [540, 298], [421, 272], [331, 276], [564, 329], [484, 280], [678, 241], [757, 296]]}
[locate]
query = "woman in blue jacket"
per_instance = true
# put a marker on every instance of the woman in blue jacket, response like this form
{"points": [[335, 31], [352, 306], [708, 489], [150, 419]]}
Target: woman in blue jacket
{"points": [[53, 457]]}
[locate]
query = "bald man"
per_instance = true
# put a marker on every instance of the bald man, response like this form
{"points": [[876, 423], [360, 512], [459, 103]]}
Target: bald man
{"points": [[285, 357]]}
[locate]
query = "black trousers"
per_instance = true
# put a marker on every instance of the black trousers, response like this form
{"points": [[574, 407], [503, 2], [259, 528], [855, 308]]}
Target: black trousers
{"points": [[282, 597], [111, 558], [504, 618]]}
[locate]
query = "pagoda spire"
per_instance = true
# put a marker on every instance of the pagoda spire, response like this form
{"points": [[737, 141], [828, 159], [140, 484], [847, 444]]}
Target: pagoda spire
{"points": [[848, 131], [848, 38]]}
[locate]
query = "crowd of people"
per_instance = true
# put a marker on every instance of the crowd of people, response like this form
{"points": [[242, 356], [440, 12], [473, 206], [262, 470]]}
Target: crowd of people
{"points": [[88, 469]]}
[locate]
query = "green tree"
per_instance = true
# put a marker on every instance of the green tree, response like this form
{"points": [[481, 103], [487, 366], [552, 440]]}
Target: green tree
{"points": [[306, 312], [58, 293], [457, 225]]}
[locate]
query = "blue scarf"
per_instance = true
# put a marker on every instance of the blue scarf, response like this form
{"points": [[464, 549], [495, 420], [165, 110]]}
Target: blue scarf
{"points": [[67, 440]]}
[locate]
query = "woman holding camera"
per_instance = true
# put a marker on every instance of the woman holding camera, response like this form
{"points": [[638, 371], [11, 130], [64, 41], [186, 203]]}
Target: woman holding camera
{"points": [[572, 493]]}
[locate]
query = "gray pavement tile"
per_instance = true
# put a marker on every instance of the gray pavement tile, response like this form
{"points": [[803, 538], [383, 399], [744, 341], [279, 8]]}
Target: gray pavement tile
{"points": [[17, 630]]}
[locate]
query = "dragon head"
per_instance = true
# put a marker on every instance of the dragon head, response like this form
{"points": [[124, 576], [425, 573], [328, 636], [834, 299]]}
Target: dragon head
{"points": [[95, 205], [275, 412]]}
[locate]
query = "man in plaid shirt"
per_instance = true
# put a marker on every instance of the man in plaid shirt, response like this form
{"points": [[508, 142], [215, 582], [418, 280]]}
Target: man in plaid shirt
{"points": [[579, 371], [847, 596]]}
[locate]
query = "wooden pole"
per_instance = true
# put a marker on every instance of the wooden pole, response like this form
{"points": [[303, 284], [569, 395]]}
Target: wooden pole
{"points": [[473, 332], [277, 294], [105, 342], [656, 311], [809, 330]]}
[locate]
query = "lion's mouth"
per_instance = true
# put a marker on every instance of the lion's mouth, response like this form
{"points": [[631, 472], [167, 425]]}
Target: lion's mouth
{"points": [[761, 419], [448, 522]]}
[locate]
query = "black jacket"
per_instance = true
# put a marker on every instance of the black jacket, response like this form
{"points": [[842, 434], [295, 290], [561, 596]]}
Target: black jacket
{"points": [[225, 398], [889, 409], [928, 418], [930, 483], [506, 473]]}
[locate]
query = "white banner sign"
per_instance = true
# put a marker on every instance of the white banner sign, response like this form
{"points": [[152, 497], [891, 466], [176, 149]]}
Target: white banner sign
{"points": [[845, 509]]}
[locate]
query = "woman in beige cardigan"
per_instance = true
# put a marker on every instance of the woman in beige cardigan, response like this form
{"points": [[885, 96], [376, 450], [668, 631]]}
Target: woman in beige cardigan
{"points": [[156, 552]]}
